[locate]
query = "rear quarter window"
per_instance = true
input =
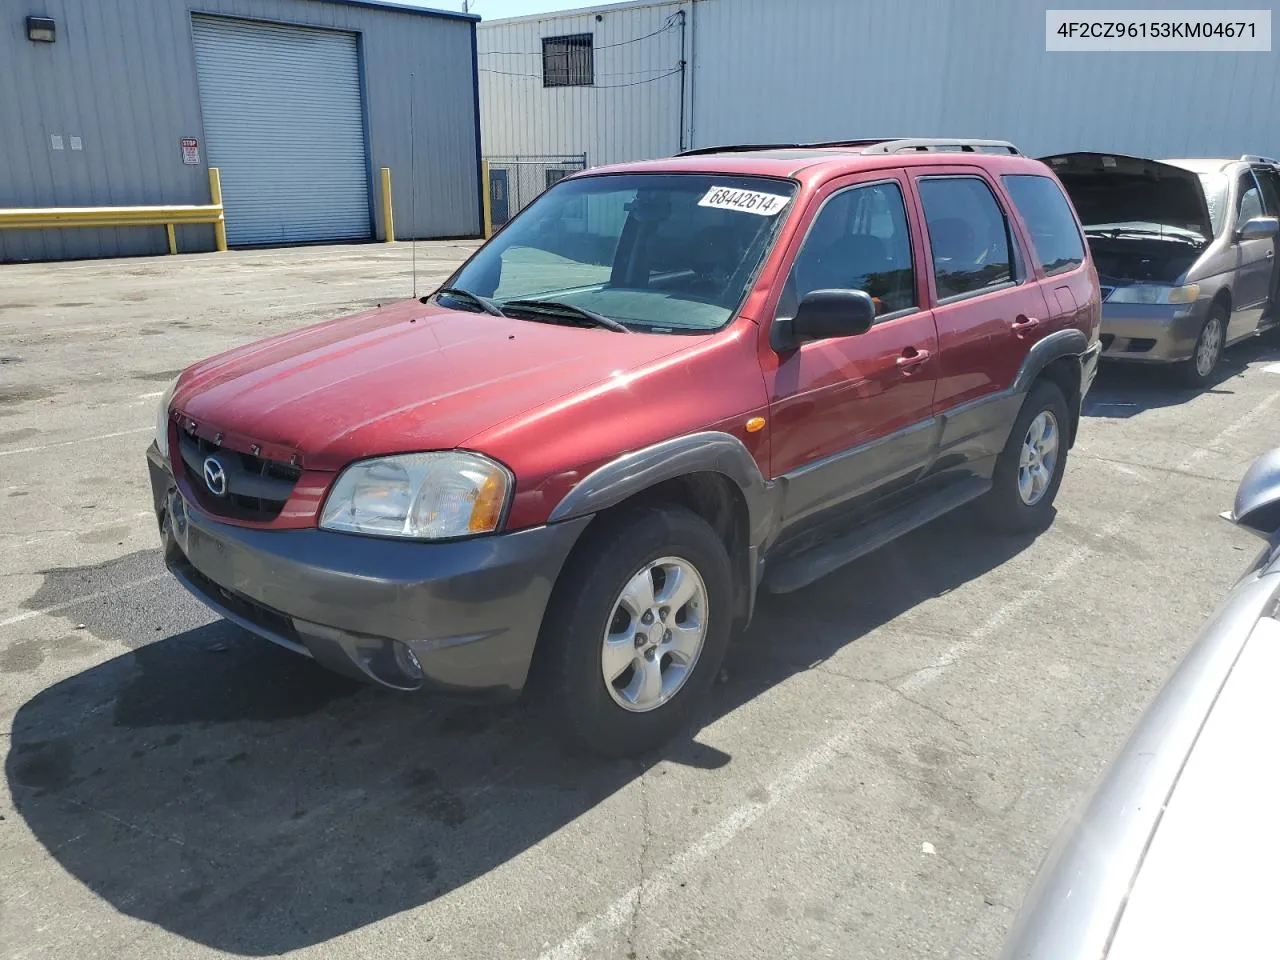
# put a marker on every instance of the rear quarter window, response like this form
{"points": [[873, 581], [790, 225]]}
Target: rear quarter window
{"points": [[1046, 212]]}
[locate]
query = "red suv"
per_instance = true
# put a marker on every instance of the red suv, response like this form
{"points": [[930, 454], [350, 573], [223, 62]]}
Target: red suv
{"points": [[662, 387]]}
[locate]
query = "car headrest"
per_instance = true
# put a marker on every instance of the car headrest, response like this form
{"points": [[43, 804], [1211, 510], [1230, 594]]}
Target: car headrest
{"points": [[952, 239]]}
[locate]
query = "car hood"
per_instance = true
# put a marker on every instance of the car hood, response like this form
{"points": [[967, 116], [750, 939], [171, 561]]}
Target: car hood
{"points": [[1111, 189], [403, 378]]}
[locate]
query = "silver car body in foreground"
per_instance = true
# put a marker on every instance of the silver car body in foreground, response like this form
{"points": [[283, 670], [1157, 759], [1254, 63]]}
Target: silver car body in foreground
{"points": [[1175, 853]]}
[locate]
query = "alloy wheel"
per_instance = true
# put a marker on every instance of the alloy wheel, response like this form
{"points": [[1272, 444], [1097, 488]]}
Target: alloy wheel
{"points": [[1038, 458], [655, 634]]}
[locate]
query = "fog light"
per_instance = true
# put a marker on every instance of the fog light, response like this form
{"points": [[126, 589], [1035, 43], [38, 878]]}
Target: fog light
{"points": [[407, 661]]}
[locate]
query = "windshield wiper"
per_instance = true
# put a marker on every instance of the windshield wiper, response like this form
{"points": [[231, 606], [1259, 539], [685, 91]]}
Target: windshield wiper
{"points": [[484, 303], [553, 307], [1116, 234]]}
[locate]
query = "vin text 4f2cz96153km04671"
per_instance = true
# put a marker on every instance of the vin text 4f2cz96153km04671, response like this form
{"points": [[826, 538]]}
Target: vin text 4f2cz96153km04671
{"points": [[663, 387]]}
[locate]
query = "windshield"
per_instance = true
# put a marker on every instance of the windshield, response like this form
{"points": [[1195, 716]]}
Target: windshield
{"points": [[658, 252], [1215, 195]]}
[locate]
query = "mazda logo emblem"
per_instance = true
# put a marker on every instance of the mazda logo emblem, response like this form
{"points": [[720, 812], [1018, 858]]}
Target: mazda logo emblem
{"points": [[215, 478]]}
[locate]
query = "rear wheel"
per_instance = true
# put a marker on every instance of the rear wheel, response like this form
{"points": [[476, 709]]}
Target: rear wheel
{"points": [[1029, 469], [636, 630], [1198, 371]]}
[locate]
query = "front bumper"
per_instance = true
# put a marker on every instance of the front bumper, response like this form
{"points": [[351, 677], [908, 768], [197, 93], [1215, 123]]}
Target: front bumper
{"points": [[1089, 368], [468, 611], [1152, 333]]}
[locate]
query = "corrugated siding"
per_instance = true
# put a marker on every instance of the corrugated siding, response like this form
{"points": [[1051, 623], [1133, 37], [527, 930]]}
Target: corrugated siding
{"points": [[828, 69], [283, 116], [631, 112], [122, 77], [978, 68]]}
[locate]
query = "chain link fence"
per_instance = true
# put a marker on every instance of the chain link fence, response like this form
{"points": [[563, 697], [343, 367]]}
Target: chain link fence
{"points": [[514, 182]]}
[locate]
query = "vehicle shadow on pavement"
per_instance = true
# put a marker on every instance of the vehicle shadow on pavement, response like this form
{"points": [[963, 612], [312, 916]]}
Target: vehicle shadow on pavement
{"points": [[1127, 390], [243, 798]]}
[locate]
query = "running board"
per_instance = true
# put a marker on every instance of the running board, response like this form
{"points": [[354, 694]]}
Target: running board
{"points": [[815, 563]]}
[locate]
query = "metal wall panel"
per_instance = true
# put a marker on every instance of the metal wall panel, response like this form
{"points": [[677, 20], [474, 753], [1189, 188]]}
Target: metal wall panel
{"points": [[828, 69], [284, 119], [122, 78], [977, 68], [631, 112]]}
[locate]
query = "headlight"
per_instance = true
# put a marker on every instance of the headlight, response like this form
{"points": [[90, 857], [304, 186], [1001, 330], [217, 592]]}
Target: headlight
{"points": [[1155, 293], [422, 496], [162, 419]]}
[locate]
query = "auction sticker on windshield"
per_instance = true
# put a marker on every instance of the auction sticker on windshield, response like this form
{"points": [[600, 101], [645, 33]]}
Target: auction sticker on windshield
{"points": [[744, 201]]}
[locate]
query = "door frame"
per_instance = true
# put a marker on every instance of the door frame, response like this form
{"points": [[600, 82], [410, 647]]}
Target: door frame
{"points": [[771, 361]]}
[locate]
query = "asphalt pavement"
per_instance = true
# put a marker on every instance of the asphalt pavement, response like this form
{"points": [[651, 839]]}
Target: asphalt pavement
{"points": [[884, 762]]}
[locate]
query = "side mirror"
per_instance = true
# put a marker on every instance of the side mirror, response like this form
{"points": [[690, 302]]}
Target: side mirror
{"points": [[1257, 506], [1258, 228], [825, 315]]}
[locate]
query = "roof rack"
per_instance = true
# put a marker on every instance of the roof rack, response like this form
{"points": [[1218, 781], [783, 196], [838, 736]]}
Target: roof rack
{"points": [[750, 147], [870, 146], [935, 145], [1252, 158]]}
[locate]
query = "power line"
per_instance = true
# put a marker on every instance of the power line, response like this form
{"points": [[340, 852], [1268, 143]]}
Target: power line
{"points": [[670, 24], [538, 76], [590, 86]]}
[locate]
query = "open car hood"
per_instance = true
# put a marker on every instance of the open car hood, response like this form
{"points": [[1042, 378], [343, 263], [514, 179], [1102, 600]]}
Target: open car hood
{"points": [[1109, 188]]}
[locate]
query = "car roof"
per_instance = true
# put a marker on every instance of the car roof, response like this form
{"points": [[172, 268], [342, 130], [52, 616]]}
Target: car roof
{"points": [[1202, 165], [826, 160]]}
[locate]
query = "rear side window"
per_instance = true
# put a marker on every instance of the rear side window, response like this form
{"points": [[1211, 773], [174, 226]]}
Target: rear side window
{"points": [[1047, 215], [968, 236]]}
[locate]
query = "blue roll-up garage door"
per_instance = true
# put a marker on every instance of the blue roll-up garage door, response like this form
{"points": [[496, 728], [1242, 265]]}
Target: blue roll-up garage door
{"points": [[284, 125]]}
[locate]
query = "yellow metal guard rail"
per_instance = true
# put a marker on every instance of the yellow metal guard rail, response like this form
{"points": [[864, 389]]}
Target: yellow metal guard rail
{"points": [[44, 218]]}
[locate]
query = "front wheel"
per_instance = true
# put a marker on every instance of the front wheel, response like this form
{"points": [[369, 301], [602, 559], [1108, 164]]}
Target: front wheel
{"points": [[1029, 469], [1198, 371], [636, 629]]}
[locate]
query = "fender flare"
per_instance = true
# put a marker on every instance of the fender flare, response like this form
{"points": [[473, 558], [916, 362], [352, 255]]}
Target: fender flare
{"points": [[1061, 343], [709, 451]]}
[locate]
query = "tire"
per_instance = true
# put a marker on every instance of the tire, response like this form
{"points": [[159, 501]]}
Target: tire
{"points": [[1199, 370], [1021, 502], [588, 602]]}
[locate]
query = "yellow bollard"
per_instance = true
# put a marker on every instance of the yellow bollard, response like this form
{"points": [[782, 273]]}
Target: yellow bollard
{"points": [[388, 215], [219, 225], [173, 241], [487, 202]]}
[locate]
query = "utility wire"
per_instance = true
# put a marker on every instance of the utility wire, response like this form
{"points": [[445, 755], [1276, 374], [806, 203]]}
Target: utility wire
{"points": [[538, 76], [670, 24], [590, 86]]}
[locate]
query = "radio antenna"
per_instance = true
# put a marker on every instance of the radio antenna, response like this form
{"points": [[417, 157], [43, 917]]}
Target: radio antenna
{"points": [[413, 185]]}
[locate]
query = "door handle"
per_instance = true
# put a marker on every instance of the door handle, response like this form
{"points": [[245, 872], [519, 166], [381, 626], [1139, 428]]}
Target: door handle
{"points": [[912, 358], [1024, 324]]}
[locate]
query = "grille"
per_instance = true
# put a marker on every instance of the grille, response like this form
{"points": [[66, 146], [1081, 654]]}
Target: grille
{"points": [[1107, 339], [256, 488]]}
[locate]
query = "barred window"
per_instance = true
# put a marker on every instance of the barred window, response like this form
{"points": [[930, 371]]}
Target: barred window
{"points": [[568, 61]]}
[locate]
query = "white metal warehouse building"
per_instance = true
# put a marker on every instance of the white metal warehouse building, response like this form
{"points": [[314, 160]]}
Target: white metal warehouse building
{"points": [[637, 80]]}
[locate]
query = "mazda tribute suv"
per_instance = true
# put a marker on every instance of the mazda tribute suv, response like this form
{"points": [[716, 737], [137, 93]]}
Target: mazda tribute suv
{"points": [[660, 389]]}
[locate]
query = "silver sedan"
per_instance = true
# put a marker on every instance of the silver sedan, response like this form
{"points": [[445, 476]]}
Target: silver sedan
{"points": [[1174, 853]]}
